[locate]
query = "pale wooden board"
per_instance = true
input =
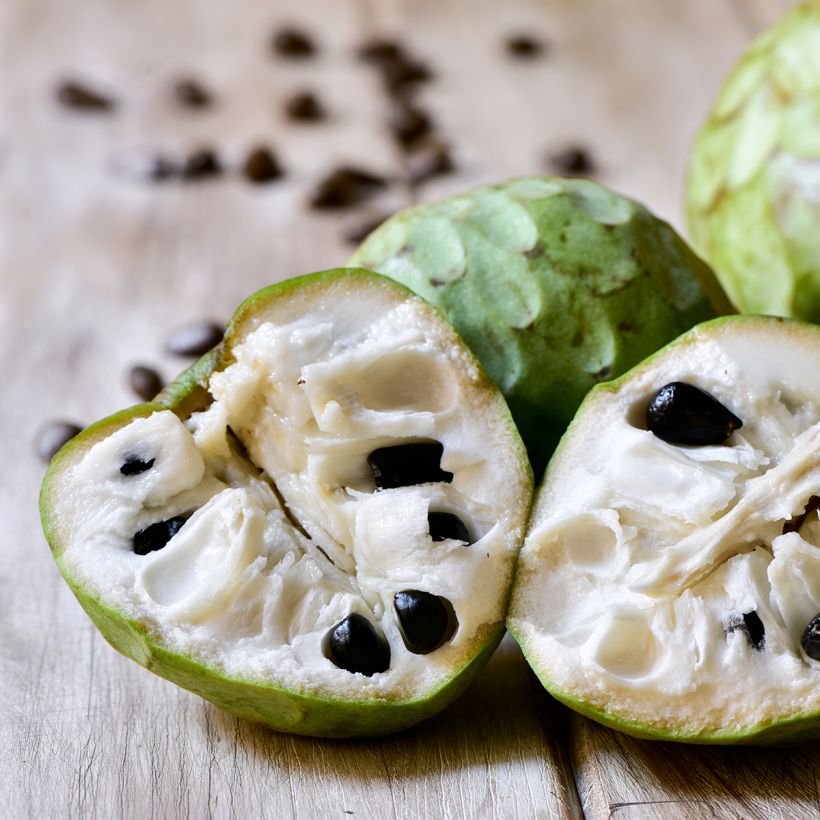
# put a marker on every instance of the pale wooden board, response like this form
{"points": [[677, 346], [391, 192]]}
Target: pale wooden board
{"points": [[94, 270]]}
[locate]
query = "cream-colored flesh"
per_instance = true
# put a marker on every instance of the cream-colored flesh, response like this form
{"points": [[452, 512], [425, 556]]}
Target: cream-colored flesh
{"points": [[640, 553], [286, 539]]}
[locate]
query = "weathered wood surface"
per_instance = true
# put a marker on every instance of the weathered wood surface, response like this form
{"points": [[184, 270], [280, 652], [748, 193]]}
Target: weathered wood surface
{"points": [[94, 269]]}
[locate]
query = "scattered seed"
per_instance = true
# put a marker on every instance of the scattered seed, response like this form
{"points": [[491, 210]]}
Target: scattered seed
{"points": [[427, 621], [191, 94], [572, 161], [357, 232], [810, 640], [344, 187], [680, 413], [429, 159], [408, 123], [353, 644], [156, 536], [194, 339], [134, 465], [81, 97], [292, 42], [201, 164], [381, 51], [444, 526], [524, 46], [261, 165], [52, 436], [305, 107], [403, 75], [408, 464], [144, 381]]}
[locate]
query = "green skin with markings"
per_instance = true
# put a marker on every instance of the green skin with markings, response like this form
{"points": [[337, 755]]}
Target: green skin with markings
{"points": [[555, 284], [753, 193], [279, 708]]}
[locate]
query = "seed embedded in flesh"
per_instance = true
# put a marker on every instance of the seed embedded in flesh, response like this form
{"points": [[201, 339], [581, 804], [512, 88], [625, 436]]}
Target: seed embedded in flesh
{"points": [[406, 465], [750, 623], [427, 621], [810, 640], [680, 413], [443, 526], [156, 536], [354, 645], [134, 465]]}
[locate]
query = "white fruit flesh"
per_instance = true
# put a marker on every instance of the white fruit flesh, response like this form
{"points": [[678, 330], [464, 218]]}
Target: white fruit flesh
{"points": [[252, 585], [641, 554]]}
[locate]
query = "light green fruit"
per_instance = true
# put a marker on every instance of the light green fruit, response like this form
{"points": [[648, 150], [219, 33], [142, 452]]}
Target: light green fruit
{"points": [[263, 448], [643, 556], [753, 193], [554, 284]]}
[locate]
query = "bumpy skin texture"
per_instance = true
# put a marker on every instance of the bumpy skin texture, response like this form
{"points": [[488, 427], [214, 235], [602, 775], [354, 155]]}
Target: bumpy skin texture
{"points": [[277, 707], [799, 729], [753, 196], [554, 284]]}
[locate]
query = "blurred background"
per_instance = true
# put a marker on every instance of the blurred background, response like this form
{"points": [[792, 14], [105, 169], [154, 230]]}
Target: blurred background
{"points": [[159, 161]]}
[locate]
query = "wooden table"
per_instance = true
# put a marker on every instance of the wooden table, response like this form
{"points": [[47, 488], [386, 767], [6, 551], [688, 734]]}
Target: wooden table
{"points": [[96, 268]]}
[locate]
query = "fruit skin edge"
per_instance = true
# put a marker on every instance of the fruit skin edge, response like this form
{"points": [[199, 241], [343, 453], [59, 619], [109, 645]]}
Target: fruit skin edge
{"points": [[277, 707], [797, 729]]}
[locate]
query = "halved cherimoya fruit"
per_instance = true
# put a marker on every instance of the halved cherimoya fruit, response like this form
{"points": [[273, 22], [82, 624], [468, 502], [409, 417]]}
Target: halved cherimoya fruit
{"points": [[315, 527], [669, 585]]}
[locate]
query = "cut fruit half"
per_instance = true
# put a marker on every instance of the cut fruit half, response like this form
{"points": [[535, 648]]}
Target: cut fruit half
{"points": [[314, 527], [669, 585]]}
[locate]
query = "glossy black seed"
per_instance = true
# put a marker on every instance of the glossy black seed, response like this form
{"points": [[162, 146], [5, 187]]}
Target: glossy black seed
{"points": [[353, 644], [427, 621], [201, 164], [81, 97], [428, 159], [156, 536], [52, 436], [191, 94], [681, 413], [134, 465], [344, 187], [305, 107], [443, 525], [524, 45], [292, 42], [408, 464], [261, 166], [144, 381], [810, 641], [402, 75], [408, 124], [750, 623], [194, 339], [573, 161]]}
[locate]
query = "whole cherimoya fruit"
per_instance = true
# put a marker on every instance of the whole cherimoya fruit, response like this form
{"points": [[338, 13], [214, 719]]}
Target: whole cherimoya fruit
{"points": [[555, 284], [314, 527], [754, 178], [669, 585]]}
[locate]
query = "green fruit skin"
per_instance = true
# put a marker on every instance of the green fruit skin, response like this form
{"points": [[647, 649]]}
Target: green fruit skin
{"points": [[753, 188], [797, 729], [555, 284], [277, 707]]}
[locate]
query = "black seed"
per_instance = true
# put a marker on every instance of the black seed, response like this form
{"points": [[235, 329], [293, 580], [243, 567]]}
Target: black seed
{"points": [[408, 464], [292, 42], [524, 45], [750, 623], [305, 107], [346, 186], [427, 621], [810, 641], [357, 232], [146, 165], [428, 159], [144, 381], [156, 536], [572, 161], [261, 166], [194, 339], [681, 413], [353, 644], [408, 124], [443, 525], [191, 94], [134, 465], [403, 74], [52, 436], [73, 94], [381, 51], [201, 164]]}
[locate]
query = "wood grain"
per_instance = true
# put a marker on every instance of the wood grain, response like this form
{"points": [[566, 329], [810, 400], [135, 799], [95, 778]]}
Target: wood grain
{"points": [[95, 269]]}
